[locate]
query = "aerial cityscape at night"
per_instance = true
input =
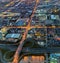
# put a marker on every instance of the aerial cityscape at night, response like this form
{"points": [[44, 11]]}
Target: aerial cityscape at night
{"points": [[29, 31]]}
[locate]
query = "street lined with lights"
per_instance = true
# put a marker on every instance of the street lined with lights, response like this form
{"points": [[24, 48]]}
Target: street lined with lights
{"points": [[39, 25]]}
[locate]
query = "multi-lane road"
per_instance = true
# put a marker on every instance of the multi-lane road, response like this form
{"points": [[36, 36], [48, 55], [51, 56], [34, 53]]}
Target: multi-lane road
{"points": [[18, 51]]}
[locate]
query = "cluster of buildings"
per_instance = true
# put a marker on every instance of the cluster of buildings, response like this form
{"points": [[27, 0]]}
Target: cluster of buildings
{"points": [[42, 41]]}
